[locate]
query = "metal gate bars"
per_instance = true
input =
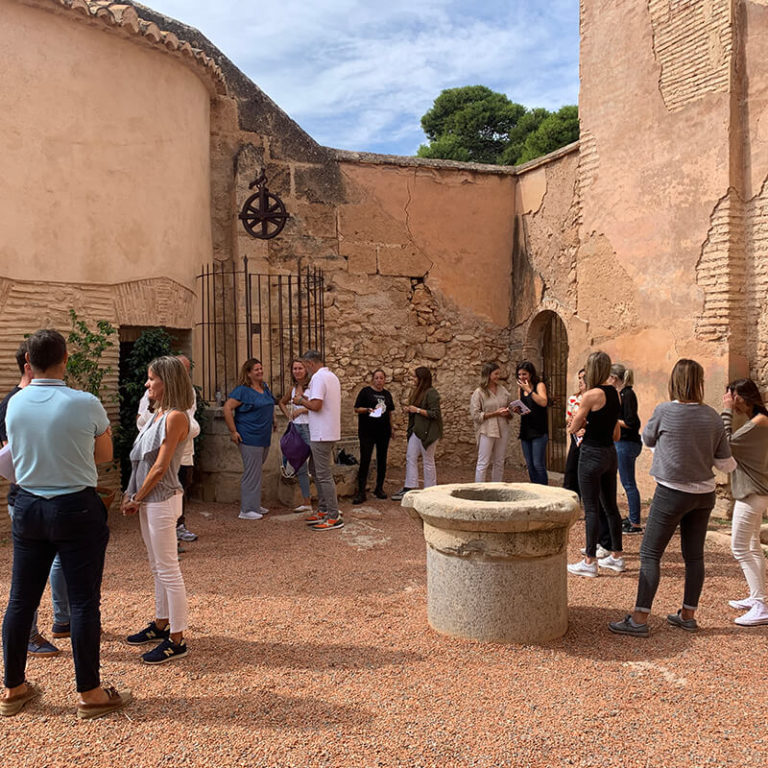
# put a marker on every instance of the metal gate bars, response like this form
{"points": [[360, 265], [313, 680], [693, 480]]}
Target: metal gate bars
{"points": [[245, 314]]}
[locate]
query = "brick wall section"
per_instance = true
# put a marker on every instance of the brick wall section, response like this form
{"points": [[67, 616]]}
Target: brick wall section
{"points": [[692, 42], [756, 310], [720, 273]]}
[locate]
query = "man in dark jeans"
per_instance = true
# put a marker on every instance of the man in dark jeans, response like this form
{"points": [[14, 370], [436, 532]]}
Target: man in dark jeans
{"points": [[57, 435]]}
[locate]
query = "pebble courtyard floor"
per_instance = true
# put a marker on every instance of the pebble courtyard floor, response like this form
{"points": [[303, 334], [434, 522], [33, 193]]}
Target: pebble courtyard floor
{"points": [[312, 649]]}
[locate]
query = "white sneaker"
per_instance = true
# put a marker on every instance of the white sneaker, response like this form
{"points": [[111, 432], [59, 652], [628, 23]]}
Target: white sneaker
{"points": [[303, 508], [757, 615], [614, 563], [264, 511], [250, 515], [583, 568], [742, 605], [599, 552]]}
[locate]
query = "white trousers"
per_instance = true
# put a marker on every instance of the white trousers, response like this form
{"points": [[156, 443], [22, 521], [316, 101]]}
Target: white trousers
{"points": [[491, 451], [158, 529], [745, 542], [415, 449]]}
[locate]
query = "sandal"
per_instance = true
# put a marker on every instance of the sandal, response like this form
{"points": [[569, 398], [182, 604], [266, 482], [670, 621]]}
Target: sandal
{"points": [[116, 700], [13, 705]]}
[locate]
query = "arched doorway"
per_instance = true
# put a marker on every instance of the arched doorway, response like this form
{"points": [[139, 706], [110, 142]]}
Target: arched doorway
{"points": [[548, 346]]}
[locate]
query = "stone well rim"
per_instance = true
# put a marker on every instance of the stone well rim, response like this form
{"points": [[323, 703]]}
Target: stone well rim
{"points": [[537, 507]]}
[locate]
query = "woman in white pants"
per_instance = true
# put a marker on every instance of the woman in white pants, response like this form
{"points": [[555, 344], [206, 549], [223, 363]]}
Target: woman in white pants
{"points": [[155, 493], [490, 415], [749, 486], [425, 428]]}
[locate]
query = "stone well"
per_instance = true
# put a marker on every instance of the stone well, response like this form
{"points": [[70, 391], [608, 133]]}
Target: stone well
{"points": [[496, 559]]}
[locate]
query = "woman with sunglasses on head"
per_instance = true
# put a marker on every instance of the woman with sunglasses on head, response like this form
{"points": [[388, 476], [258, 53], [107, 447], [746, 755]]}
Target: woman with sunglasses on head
{"points": [[749, 487], [299, 415]]}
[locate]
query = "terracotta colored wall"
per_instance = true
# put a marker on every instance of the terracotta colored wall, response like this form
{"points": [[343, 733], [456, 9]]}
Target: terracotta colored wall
{"points": [[111, 141]]}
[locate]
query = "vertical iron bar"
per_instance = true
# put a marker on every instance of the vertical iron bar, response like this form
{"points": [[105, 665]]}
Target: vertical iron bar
{"points": [[269, 308], [314, 284], [248, 318], [299, 310], [218, 383], [261, 322], [309, 312], [290, 321], [322, 315], [281, 332]]}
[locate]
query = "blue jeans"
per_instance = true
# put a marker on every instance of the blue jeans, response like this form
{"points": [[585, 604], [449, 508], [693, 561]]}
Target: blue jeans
{"points": [[59, 597], [535, 453], [74, 526], [627, 452]]}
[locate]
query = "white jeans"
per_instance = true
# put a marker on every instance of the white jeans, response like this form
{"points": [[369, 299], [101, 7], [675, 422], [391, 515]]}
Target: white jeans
{"points": [[415, 449], [158, 529], [491, 451], [745, 542]]}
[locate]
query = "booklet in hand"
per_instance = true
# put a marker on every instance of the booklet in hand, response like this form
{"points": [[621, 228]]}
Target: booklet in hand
{"points": [[518, 406]]}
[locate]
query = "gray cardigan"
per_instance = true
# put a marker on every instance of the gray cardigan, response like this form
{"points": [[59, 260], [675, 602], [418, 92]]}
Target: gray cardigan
{"points": [[688, 437], [750, 449]]}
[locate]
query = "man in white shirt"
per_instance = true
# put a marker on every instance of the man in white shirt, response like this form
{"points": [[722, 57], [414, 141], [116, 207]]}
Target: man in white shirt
{"points": [[323, 401]]}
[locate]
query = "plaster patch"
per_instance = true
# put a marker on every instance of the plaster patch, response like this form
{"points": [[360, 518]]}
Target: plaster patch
{"points": [[531, 188]]}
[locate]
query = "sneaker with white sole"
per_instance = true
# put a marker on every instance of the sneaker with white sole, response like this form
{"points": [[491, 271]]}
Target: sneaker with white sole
{"points": [[583, 568], [329, 525], [612, 563], [250, 515], [182, 534], [303, 509], [755, 616], [742, 605], [264, 511], [166, 651], [599, 552]]}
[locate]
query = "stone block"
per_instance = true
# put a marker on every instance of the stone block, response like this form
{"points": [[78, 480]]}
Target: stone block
{"points": [[313, 219], [405, 261], [370, 224], [433, 350], [319, 184], [361, 258]]}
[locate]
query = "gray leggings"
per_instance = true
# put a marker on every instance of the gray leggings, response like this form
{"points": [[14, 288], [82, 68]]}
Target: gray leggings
{"points": [[669, 509], [254, 457]]}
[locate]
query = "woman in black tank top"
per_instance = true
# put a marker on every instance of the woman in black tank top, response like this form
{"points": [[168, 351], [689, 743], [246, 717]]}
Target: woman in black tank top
{"points": [[598, 464]]}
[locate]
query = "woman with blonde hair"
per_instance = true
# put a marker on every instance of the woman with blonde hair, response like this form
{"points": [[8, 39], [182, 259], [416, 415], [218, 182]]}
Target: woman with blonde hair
{"points": [[155, 493], [749, 487], [249, 414], [688, 439], [425, 428], [490, 415], [299, 415], [598, 414], [629, 445]]}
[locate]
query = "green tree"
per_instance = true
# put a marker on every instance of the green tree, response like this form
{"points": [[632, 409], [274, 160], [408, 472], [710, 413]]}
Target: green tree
{"points": [[86, 348], [471, 124], [555, 131], [476, 124]]}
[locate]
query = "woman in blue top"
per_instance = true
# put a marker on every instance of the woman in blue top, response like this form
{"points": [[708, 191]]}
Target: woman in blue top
{"points": [[249, 414]]}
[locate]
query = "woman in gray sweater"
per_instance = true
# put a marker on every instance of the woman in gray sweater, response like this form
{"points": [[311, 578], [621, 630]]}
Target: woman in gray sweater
{"points": [[749, 486], [687, 439]]}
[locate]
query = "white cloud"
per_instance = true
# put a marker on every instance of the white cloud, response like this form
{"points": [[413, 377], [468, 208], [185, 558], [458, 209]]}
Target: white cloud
{"points": [[359, 75]]}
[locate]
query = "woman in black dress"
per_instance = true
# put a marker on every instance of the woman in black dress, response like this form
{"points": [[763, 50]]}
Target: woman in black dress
{"points": [[373, 406]]}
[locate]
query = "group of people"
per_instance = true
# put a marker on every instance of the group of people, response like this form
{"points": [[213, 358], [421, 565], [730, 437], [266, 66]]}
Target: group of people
{"points": [[689, 439], [57, 436]]}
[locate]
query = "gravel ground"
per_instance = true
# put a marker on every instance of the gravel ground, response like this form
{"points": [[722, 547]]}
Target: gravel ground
{"points": [[312, 649]]}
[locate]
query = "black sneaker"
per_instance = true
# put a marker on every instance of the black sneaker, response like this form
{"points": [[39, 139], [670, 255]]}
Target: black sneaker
{"points": [[150, 633], [60, 630], [628, 627], [166, 651], [399, 495], [379, 494], [629, 528], [677, 620], [359, 499]]}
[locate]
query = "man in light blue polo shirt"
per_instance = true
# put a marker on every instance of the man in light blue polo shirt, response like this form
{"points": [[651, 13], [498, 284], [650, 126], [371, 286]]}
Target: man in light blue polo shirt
{"points": [[57, 435]]}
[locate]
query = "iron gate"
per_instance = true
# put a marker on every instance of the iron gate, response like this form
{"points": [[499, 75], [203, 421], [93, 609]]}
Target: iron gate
{"points": [[246, 314], [554, 346]]}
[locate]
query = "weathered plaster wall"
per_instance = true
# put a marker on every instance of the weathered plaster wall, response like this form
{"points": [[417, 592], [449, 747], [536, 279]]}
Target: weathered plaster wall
{"points": [[110, 140]]}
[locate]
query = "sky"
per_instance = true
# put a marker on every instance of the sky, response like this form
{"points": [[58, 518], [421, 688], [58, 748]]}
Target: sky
{"points": [[359, 74]]}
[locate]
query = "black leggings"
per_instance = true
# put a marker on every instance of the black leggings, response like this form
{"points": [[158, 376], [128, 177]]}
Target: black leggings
{"points": [[598, 466], [367, 442]]}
